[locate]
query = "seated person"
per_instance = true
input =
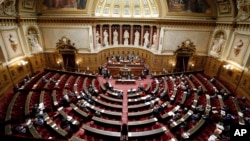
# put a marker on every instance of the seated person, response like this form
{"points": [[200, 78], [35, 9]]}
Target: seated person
{"points": [[71, 94], [35, 110], [176, 116], [200, 108], [39, 121], [52, 80], [140, 87], [21, 129], [40, 114], [120, 94], [65, 123], [195, 117], [44, 79], [98, 113], [91, 89], [65, 99]]}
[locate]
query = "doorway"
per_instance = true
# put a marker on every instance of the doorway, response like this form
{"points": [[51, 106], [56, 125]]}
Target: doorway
{"points": [[181, 63], [69, 62]]}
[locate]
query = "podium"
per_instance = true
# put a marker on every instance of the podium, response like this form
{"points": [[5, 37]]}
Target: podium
{"points": [[125, 72]]}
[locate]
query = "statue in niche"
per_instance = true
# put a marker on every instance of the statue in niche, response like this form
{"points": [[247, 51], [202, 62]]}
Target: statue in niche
{"points": [[154, 40], [13, 42], [137, 37], [126, 36], [97, 39], [115, 37], [105, 38], [146, 39], [238, 47], [32, 37], [217, 45]]}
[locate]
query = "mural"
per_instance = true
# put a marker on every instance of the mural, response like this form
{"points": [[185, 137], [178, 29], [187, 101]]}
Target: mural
{"points": [[64, 4], [12, 43], [239, 48], [188, 6]]}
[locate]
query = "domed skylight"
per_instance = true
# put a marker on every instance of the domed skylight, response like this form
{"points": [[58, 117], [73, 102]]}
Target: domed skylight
{"points": [[127, 8]]}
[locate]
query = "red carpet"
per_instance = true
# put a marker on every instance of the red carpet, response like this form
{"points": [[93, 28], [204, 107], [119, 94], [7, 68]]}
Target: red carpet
{"points": [[125, 88]]}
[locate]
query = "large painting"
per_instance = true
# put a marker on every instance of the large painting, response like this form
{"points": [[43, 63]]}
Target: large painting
{"points": [[64, 4], [12, 43], [239, 48], [188, 6]]}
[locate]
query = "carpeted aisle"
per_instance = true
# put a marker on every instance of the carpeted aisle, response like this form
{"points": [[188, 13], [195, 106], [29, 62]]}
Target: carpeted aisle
{"points": [[125, 88]]}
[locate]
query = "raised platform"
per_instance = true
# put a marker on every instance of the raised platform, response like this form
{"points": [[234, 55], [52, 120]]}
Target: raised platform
{"points": [[125, 81]]}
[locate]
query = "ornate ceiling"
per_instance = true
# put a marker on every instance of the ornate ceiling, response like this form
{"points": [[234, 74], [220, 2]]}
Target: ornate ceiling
{"points": [[220, 10]]}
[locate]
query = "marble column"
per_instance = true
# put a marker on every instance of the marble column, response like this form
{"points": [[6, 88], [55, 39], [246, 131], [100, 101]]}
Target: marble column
{"points": [[120, 35], [101, 35], [151, 35], [110, 35], [141, 34], [131, 34], [94, 36], [158, 37]]}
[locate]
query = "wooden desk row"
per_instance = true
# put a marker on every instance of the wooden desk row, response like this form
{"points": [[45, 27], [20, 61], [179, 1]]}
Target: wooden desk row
{"points": [[139, 98], [32, 129], [196, 79], [191, 131], [143, 104], [195, 100], [240, 114], [107, 104], [182, 119], [27, 104], [10, 107], [54, 126], [125, 81], [208, 105], [172, 112], [148, 132], [130, 134], [67, 117], [102, 110], [111, 98], [79, 111]]}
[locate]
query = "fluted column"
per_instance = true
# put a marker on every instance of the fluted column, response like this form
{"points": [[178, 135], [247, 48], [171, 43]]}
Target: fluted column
{"points": [[131, 34], [110, 34], [142, 35], [94, 35], [101, 35], [157, 39], [120, 35], [151, 35]]}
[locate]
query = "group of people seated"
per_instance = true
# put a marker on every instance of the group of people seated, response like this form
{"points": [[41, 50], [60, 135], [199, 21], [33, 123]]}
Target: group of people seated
{"points": [[121, 58]]}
